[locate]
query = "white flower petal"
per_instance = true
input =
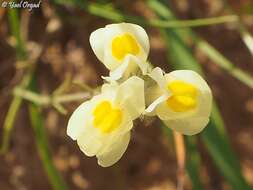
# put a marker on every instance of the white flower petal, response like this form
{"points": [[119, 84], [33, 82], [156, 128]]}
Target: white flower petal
{"points": [[151, 108], [188, 126], [78, 120], [188, 76], [157, 74], [137, 31], [118, 72], [108, 93], [205, 104], [109, 87], [152, 91], [101, 40], [97, 43], [136, 63], [128, 68], [126, 126], [131, 96], [113, 30], [165, 113], [89, 141], [204, 100], [112, 91], [115, 152]]}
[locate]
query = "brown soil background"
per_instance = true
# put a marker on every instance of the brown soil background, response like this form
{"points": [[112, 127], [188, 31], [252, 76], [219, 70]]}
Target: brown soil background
{"points": [[149, 162]]}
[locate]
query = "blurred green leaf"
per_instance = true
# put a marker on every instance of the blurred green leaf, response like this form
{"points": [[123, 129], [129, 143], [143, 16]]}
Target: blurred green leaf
{"points": [[214, 135], [43, 148], [108, 11], [11, 116], [43, 145], [193, 162], [16, 101], [223, 62], [15, 30]]}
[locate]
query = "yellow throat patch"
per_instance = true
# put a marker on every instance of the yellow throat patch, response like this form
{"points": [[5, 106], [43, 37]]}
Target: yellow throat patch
{"points": [[184, 96], [106, 118], [124, 44]]}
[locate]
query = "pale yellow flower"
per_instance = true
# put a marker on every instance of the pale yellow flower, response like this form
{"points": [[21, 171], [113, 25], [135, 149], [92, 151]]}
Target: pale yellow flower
{"points": [[102, 125], [183, 100], [123, 48]]}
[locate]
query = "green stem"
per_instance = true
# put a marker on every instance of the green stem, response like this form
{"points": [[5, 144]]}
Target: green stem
{"points": [[9, 122], [72, 97], [224, 63], [43, 148], [109, 12], [11, 115], [194, 23], [32, 96], [15, 30], [16, 101], [46, 100]]}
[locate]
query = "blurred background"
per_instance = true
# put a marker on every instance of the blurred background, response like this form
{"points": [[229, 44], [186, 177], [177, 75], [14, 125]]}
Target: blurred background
{"points": [[47, 68]]}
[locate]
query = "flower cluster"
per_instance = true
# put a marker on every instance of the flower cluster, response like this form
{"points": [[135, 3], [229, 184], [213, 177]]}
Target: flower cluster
{"points": [[102, 126]]}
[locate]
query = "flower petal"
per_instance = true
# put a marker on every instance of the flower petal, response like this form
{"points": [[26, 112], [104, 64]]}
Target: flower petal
{"points": [[157, 74], [117, 149], [78, 120], [108, 88], [143, 65], [165, 113], [97, 43], [204, 100], [126, 126], [188, 76], [90, 141], [188, 126], [151, 108], [137, 31], [113, 30], [118, 72], [131, 96], [129, 67]]}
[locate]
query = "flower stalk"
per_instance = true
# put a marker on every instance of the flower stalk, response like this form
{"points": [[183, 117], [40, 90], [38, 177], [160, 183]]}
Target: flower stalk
{"points": [[47, 100]]}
